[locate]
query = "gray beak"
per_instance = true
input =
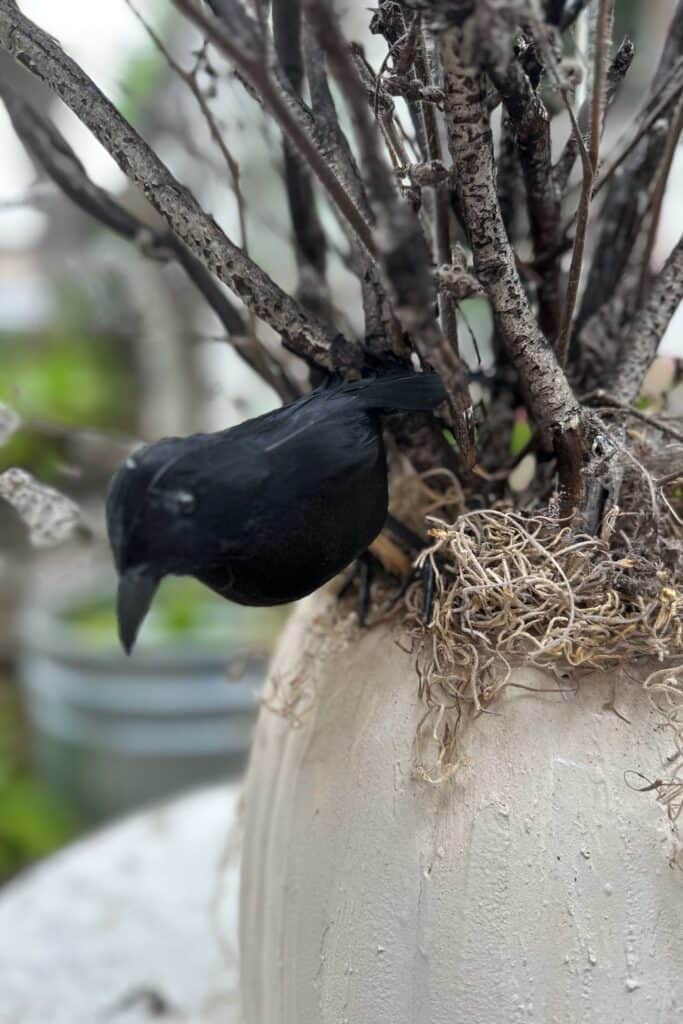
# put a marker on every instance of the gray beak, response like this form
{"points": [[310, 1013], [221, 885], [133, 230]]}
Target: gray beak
{"points": [[136, 590]]}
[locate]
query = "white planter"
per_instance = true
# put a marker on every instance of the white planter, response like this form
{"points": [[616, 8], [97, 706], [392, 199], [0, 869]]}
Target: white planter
{"points": [[535, 887]]}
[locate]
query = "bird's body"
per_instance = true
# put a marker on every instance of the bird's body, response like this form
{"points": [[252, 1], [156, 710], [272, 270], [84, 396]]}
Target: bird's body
{"points": [[265, 512]]}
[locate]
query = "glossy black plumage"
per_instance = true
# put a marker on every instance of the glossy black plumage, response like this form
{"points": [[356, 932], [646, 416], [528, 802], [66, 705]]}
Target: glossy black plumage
{"points": [[265, 512]]}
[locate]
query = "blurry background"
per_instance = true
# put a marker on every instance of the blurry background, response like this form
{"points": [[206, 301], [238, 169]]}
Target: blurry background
{"points": [[100, 348]]}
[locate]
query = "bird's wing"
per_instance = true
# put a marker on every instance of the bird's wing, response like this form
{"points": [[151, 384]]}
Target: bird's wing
{"points": [[328, 413]]}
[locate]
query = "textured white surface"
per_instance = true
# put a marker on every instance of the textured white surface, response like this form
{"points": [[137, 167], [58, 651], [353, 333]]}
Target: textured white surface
{"points": [[534, 888], [120, 928]]}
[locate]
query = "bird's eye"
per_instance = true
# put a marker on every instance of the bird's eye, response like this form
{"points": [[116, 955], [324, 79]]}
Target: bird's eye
{"points": [[185, 502]]}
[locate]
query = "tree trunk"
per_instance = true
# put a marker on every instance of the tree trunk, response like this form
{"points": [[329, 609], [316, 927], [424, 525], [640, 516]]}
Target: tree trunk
{"points": [[533, 886]]}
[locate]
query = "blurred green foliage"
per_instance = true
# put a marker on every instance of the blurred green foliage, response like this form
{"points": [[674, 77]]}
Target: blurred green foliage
{"points": [[146, 68], [184, 612], [142, 76], [33, 822], [69, 375]]}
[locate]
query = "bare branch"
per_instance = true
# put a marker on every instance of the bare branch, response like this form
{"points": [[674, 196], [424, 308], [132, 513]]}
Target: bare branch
{"points": [[617, 71], [190, 80], [444, 257], [531, 123], [331, 140], [658, 191], [389, 22], [649, 122], [253, 62], [382, 331], [380, 183], [309, 238], [626, 200], [648, 327], [51, 151], [603, 35], [602, 402], [551, 399], [402, 248], [40, 54], [382, 104]]}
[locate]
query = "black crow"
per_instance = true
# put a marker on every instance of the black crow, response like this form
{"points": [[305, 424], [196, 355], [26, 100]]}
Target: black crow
{"points": [[265, 512]]}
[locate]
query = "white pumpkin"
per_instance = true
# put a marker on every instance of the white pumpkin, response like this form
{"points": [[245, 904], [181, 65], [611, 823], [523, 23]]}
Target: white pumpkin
{"points": [[535, 886]]}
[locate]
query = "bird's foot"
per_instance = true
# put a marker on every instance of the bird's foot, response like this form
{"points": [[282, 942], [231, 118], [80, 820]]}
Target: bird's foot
{"points": [[362, 573]]}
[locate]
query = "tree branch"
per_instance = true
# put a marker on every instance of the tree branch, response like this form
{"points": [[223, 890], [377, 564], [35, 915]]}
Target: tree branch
{"points": [[40, 54], [589, 159], [309, 238], [531, 124], [625, 205], [402, 249], [247, 51], [388, 21], [658, 191], [648, 327], [444, 256], [382, 330], [51, 151], [617, 71], [551, 399]]}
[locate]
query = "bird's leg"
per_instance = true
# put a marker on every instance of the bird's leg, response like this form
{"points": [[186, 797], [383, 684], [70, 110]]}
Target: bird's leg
{"points": [[428, 581], [365, 574], [362, 572], [415, 543]]}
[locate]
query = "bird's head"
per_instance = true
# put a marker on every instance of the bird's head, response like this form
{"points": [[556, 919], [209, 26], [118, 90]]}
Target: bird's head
{"points": [[151, 521]]}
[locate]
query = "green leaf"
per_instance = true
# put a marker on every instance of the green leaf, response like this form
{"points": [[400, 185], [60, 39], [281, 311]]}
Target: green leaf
{"points": [[520, 436]]}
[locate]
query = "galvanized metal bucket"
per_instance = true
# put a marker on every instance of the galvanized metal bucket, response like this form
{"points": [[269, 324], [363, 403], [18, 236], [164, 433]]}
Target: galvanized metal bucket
{"points": [[111, 732]]}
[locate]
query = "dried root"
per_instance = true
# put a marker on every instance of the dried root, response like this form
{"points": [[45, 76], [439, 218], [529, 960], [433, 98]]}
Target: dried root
{"points": [[513, 587]]}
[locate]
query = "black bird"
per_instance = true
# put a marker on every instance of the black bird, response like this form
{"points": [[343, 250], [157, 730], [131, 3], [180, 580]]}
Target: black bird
{"points": [[265, 512]]}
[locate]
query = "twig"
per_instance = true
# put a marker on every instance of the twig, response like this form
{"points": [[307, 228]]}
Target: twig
{"points": [[403, 251], [309, 238], [39, 53], [617, 71], [254, 65], [643, 125], [670, 478], [608, 403], [603, 33], [532, 133], [53, 153], [649, 325], [388, 21], [443, 254], [189, 78], [638, 159], [657, 199], [647, 121], [382, 331], [386, 108], [469, 133]]}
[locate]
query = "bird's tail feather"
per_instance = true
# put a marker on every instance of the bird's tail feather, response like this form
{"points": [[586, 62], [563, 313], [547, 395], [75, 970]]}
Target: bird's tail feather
{"points": [[408, 391]]}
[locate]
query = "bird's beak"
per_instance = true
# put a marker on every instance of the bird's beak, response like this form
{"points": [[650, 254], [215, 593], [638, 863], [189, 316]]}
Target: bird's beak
{"points": [[137, 587]]}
